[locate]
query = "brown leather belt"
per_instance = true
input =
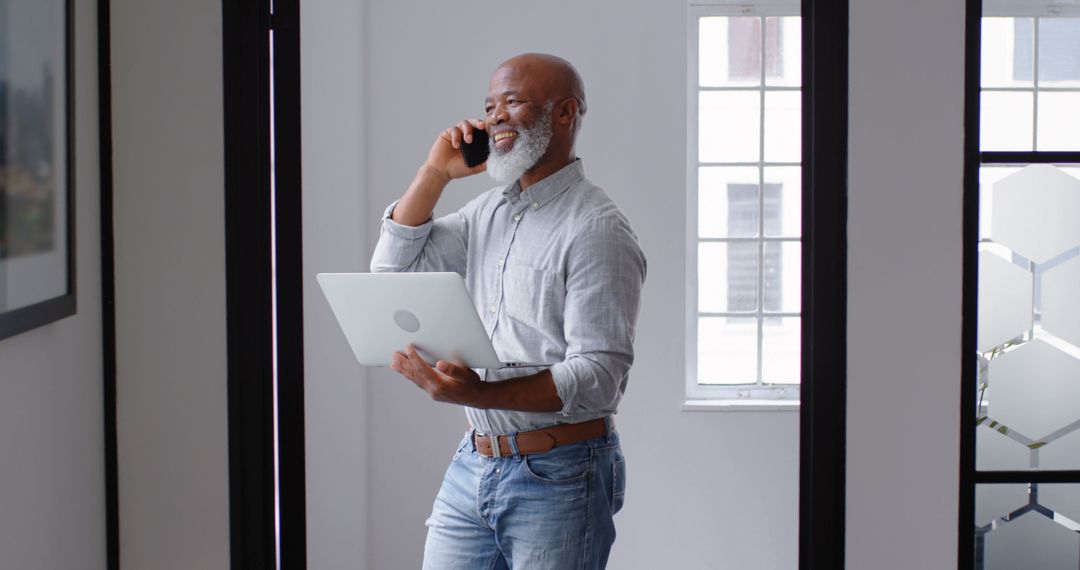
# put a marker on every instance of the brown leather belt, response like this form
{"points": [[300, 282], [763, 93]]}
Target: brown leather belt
{"points": [[542, 440]]}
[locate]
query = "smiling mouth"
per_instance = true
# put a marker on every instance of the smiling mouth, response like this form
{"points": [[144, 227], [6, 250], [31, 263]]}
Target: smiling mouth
{"points": [[503, 137]]}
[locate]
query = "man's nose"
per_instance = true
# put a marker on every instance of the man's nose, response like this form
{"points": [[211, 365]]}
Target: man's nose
{"points": [[498, 115]]}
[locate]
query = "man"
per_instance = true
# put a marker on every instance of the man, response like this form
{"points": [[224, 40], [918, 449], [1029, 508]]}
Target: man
{"points": [[556, 271]]}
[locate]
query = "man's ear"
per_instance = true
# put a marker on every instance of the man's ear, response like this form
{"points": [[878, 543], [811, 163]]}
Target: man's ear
{"points": [[567, 111]]}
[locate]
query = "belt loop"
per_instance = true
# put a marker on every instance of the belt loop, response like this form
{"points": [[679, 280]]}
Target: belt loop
{"points": [[495, 451], [472, 438], [511, 438]]}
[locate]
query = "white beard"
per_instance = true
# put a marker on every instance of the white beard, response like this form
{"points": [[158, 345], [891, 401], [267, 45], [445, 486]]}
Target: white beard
{"points": [[531, 144]]}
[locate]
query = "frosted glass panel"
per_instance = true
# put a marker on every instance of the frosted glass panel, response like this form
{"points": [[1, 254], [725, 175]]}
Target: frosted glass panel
{"points": [[727, 277], [783, 51], [1034, 390], [996, 451], [780, 350], [785, 204], [1059, 52], [729, 51], [1059, 121], [727, 350], [1062, 454], [1005, 301], [1029, 319], [1035, 212], [995, 501], [1061, 301], [729, 126], [782, 275], [1007, 52], [783, 122], [1006, 122], [1032, 531], [988, 176], [728, 201]]}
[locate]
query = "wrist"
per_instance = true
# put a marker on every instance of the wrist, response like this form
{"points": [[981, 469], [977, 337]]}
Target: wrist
{"points": [[431, 174]]}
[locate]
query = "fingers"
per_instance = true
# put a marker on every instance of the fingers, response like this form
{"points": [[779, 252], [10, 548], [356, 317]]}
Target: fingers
{"points": [[462, 131]]}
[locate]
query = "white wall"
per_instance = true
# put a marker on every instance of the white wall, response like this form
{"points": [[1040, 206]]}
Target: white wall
{"points": [[904, 269], [52, 478], [705, 488], [170, 284], [335, 215]]}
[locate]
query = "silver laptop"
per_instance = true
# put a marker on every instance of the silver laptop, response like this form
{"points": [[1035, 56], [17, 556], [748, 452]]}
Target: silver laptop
{"points": [[382, 313]]}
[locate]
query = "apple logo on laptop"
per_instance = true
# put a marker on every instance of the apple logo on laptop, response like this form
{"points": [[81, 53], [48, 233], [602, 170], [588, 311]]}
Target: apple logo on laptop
{"points": [[406, 320]]}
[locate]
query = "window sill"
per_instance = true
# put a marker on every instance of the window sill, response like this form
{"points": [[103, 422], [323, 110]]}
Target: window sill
{"points": [[740, 406]]}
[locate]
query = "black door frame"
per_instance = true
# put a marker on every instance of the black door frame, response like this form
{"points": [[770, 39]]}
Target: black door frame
{"points": [[246, 28], [823, 422]]}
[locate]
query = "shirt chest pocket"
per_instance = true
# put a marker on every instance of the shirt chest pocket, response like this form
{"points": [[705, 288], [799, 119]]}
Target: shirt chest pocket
{"points": [[535, 297]]}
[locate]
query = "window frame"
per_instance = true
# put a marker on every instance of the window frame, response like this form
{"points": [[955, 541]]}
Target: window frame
{"points": [[974, 159], [729, 396]]}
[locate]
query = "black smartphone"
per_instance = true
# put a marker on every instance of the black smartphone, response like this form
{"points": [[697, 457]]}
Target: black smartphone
{"points": [[476, 152]]}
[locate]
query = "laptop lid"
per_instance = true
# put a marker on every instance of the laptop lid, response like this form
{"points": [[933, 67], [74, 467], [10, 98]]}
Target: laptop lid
{"points": [[381, 313]]}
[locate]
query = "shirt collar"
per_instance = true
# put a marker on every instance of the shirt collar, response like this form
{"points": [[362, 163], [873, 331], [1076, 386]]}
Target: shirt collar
{"points": [[549, 188]]}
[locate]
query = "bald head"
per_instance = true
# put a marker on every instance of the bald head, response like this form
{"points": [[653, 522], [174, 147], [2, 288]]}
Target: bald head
{"points": [[554, 75]]}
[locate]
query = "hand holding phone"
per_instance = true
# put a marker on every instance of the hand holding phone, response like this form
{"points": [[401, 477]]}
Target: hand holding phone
{"points": [[476, 152]]}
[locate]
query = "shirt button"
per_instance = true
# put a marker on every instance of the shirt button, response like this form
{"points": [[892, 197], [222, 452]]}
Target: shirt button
{"points": [[502, 262], [536, 204], [517, 217], [492, 308]]}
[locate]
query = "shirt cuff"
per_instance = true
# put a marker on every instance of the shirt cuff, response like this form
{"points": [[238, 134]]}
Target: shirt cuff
{"points": [[401, 230], [565, 385]]}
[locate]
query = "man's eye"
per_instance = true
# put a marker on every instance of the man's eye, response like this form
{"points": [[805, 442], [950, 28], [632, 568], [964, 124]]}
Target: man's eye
{"points": [[488, 109]]}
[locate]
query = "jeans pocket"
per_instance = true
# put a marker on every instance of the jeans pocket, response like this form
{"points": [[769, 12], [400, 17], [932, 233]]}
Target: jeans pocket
{"points": [[462, 446], [618, 483], [560, 466]]}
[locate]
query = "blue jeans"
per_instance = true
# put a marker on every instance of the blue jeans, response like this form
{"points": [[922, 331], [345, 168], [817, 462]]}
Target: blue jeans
{"points": [[547, 511]]}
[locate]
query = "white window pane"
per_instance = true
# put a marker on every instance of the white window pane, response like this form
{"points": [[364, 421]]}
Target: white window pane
{"points": [[729, 126], [783, 211], [780, 350], [783, 51], [1059, 52], [729, 51], [1059, 121], [782, 277], [717, 187], [727, 277], [727, 350], [783, 126], [1008, 52], [1006, 122]]}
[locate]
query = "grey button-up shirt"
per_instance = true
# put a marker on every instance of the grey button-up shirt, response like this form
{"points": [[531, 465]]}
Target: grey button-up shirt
{"points": [[555, 272]]}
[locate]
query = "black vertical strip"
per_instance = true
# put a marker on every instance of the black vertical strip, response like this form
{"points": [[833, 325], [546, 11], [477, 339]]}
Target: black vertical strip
{"points": [[290, 290], [970, 298], [108, 287], [246, 66], [824, 289]]}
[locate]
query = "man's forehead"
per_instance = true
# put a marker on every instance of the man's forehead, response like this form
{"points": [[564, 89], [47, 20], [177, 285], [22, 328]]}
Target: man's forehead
{"points": [[510, 81]]}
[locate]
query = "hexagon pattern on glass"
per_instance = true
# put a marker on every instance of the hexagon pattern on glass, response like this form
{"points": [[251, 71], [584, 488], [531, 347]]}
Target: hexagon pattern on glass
{"points": [[1033, 541], [1036, 211], [1035, 389], [1004, 301], [1061, 301]]}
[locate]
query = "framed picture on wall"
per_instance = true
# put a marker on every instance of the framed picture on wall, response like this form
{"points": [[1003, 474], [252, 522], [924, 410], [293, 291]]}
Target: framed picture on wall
{"points": [[37, 245]]}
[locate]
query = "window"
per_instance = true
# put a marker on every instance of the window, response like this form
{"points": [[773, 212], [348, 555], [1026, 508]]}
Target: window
{"points": [[744, 226], [1022, 435]]}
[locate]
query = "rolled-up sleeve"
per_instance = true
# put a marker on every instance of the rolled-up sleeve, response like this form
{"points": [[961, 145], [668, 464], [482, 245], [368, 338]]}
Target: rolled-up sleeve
{"points": [[435, 245], [604, 277]]}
